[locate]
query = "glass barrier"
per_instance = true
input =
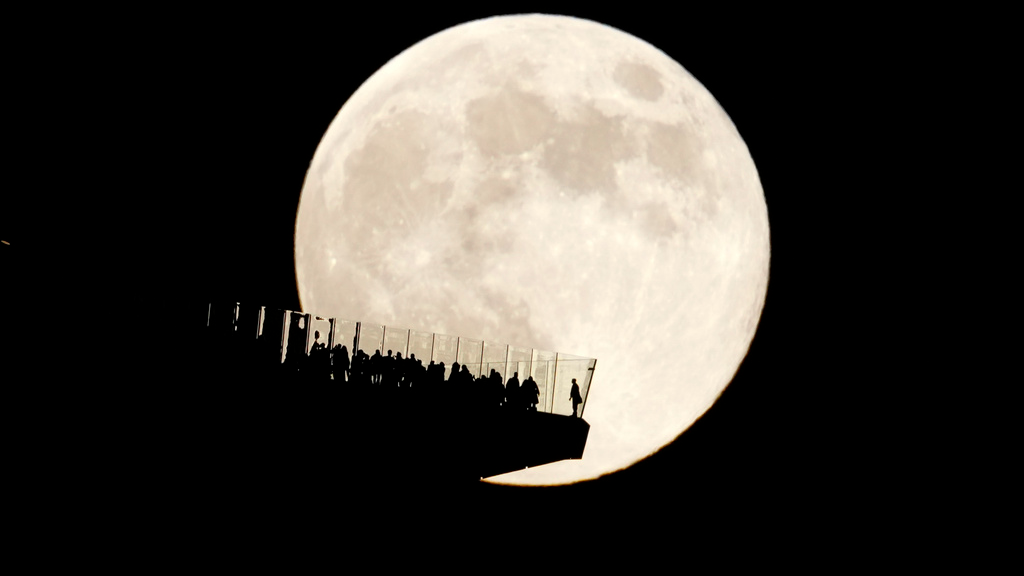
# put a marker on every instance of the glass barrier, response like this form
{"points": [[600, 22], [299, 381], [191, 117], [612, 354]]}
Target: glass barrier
{"points": [[396, 340], [470, 354], [296, 331], [559, 382], [542, 371], [572, 381], [495, 357], [421, 345], [341, 343], [344, 335], [247, 321], [371, 338], [445, 349], [221, 317], [519, 362], [271, 333], [321, 325]]}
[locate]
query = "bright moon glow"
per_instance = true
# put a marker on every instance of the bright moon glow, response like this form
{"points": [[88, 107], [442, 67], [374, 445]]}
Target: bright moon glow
{"points": [[554, 183]]}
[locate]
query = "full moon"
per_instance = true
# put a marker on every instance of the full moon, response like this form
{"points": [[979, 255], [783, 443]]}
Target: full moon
{"points": [[553, 183]]}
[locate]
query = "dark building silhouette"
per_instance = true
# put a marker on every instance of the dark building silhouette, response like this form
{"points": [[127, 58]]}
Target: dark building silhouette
{"points": [[400, 401]]}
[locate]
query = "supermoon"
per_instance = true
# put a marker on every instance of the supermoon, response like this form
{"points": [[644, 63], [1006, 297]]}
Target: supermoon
{"points": [[554, 183]]}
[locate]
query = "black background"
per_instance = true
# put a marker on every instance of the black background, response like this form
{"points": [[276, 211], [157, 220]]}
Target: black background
{"points": [[199, 128]]}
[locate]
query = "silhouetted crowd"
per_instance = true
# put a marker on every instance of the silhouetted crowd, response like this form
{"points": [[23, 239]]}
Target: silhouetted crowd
{"points": [[395, 375]]}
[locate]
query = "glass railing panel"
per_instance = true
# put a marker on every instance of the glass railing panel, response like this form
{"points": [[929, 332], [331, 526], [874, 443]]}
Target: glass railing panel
{"points": [[542, 369], [271, 338], [296, 332], [340, 343], [318, 356], [585, 387], [247, 321], [495, 357], [519, 361], [446, 350], [470, 351], [221, 318], [421, 346], [396, 340], [319, 332], [344, 335], [570, 370], [371, 338]]}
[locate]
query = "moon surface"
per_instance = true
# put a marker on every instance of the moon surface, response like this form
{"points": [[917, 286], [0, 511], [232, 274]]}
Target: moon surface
{"points": [[554, 183]]}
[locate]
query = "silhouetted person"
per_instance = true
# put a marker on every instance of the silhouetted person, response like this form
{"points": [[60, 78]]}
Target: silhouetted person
{"points": [[431, 384], [495, 390], [387, 369], [376, 367], [362, 371], [416, 377], [529, 393], [412, 371], [574, 394], [397, 369], [341, 362], [432, 372], [466, 378], [512, 391], [318, 362], [463, 387]]}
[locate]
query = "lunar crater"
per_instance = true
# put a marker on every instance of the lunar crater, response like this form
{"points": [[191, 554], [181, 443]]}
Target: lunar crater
{"points": [[640, 80], [510, 121], [584, 153]]}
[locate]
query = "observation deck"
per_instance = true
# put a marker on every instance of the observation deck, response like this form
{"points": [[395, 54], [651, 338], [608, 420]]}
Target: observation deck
{"points": [[382, 400]]}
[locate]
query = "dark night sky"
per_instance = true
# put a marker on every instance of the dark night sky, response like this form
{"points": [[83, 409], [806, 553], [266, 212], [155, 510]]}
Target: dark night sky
{"points": [[216, 117]]}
